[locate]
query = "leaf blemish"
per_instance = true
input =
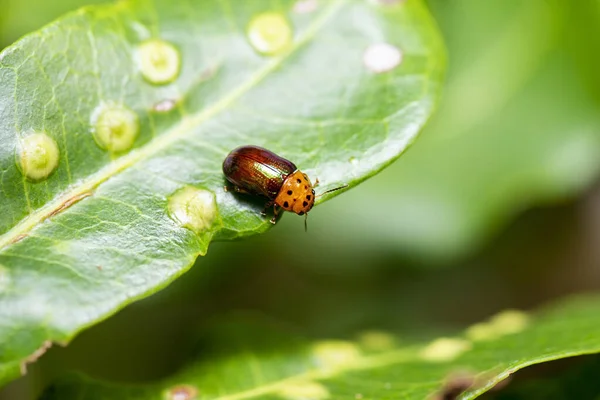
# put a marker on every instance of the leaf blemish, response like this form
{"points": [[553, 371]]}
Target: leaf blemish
{"points": [[193, 208], [69, 202], [303, 390], [159, 61], [181, 392], [382, 57], [504, 323], [115, 127], [305, 6], [33, 357], [164, 105], [445, 349], [335, 354], [377, 340], [18, 238], [37, 156], [388, 2], [270, 33]]}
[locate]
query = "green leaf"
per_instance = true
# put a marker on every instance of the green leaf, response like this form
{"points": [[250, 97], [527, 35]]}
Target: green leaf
{"points": [[85, 221], [18, 19], [265, 364]]}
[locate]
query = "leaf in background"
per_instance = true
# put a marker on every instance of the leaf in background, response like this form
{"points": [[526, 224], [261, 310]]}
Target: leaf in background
{"points": [[117, 114], [517, 127], [20, 17], [376, 366]]}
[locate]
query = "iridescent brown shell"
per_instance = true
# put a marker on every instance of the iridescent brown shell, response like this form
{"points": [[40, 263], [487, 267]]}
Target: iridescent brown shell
{"points": [[257, 170]]}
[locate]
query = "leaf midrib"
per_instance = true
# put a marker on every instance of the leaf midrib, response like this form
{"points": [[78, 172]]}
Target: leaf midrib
{"points": [[179, 131]]}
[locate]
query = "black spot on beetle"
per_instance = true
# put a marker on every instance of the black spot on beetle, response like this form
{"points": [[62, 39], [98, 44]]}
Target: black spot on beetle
{"points": [[305, 203], [286, 204], [306, 187], [301, 213], [308, 197], [299, 180], [289, 192]]}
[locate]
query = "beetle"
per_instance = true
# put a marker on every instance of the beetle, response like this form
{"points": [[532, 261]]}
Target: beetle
{"points": [[257, 171]]}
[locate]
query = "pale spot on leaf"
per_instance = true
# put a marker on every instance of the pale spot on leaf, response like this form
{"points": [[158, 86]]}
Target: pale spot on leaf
{"points": [[115, 127], [37, 156], [305, 6], [270, 33], [181, 392], [303, 391], [445, 349], [336, 353], [382, 57], [159, 61], [376, 340], [193, 208]]}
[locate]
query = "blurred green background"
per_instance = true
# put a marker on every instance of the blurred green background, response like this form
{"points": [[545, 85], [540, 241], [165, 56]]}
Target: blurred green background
{"points": [[497, 205]]}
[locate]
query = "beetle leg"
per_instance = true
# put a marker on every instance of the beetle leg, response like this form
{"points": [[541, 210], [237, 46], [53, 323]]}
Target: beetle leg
{"points": [[316, 182], [267, 206], [240, 190], [236, 189], [275, 214]]}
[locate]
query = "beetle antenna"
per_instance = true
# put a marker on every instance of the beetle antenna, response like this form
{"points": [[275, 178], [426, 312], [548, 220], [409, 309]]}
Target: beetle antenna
{"points": [[332, 190]]}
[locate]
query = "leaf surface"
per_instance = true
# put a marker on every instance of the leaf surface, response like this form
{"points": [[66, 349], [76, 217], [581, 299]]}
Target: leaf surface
{"points": [[265, 364], [100, 229]]}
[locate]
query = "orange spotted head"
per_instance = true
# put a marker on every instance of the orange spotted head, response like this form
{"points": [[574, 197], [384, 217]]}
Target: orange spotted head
{"points": [[296, 194]]}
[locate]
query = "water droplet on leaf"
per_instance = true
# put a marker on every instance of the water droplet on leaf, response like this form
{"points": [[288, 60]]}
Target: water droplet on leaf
{"points": [[193, 208], [37, 156], [270, 33], [382, 57], [115, 127], [159, 61]]}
